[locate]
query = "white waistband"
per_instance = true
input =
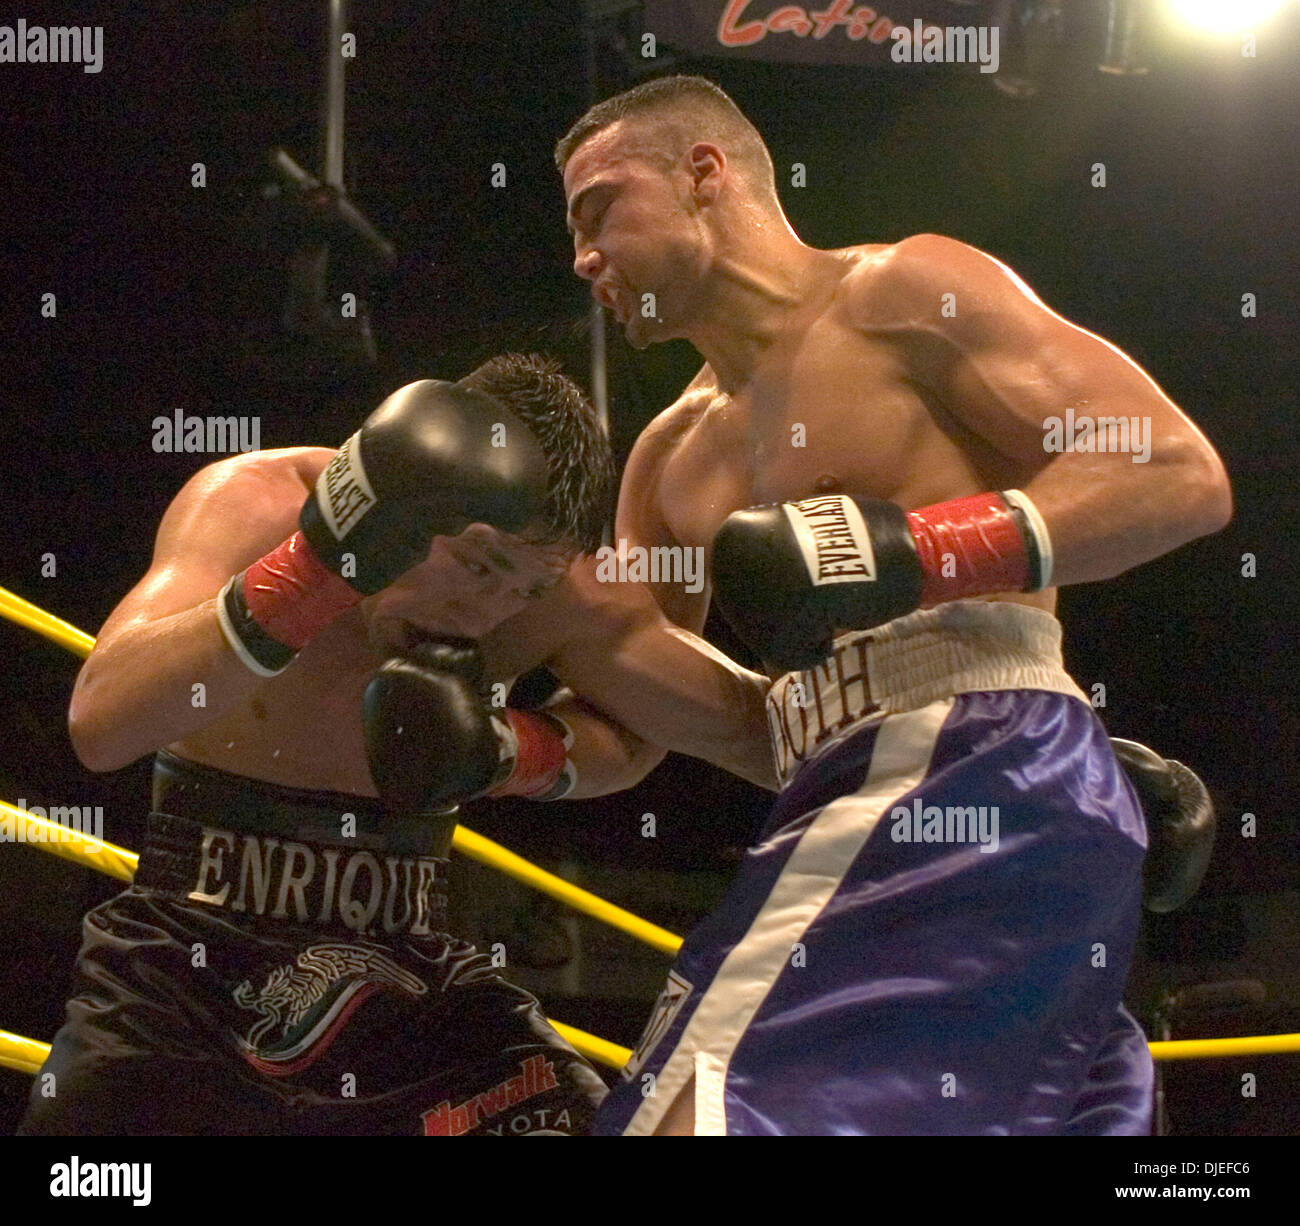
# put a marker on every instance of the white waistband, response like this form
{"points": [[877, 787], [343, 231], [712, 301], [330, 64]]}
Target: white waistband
{"points": [[955, 648]]}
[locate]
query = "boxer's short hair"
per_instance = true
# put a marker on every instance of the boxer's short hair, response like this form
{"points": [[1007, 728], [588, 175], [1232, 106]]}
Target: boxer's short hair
{"points": [[580, 489], [679, 111]]}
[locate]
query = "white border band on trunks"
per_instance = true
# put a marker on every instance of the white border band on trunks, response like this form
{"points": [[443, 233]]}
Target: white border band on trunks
{"points": [[955, 648]]}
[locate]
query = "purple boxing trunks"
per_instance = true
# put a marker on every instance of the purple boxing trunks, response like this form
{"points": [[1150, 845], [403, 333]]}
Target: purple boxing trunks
{"points": [[932, 933]]}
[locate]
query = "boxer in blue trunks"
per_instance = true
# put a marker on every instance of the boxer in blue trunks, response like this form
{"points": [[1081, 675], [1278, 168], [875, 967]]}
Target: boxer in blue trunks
{"points": [[892, 456], [932, 930]]}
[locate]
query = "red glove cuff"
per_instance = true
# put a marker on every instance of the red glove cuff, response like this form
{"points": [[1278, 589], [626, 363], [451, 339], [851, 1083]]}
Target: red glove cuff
{"points": [[977, 546], [293, 595], [541, 757]]}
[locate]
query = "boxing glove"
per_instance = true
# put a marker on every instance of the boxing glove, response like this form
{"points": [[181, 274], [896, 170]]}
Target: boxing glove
{"points": [[789, 575], [434, 741], [426, 463], [1180, 825]]}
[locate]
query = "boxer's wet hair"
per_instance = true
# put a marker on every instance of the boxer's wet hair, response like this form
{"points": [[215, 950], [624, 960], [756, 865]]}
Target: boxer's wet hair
{"points": [[677, 112], [580, 490]]}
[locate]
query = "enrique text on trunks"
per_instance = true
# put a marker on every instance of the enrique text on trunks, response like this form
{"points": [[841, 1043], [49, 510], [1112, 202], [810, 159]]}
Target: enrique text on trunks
{"points": [[321, 886]]}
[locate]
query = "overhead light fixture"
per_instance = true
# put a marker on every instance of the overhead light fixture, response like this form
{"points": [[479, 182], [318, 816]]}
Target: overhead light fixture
{"points": [[1213, 16]]}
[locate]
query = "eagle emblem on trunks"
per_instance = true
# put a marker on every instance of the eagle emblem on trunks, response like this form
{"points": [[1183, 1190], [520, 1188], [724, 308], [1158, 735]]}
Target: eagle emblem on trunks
{"points": [[302, 1007]]}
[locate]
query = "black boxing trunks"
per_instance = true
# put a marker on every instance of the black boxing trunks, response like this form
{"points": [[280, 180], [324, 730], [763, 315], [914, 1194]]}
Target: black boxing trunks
{"points": [[278, 967]]}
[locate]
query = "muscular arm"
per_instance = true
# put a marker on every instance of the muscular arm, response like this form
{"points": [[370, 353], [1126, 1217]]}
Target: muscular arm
{"points": [[1004, 364], [136, 691], [665, 688]]}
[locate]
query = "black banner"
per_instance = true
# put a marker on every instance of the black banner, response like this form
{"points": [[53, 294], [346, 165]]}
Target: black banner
{"points": [[829, 31]]}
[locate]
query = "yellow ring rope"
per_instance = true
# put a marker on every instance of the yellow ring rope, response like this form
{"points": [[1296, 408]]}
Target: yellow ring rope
{"points": [[1225, 1049], [27, 1055], [476, 847], [24, 613], [19, 826], [23, 1055]]}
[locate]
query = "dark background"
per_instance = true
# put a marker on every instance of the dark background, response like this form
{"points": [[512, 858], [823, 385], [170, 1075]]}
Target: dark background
{"points": [[168, 297]]}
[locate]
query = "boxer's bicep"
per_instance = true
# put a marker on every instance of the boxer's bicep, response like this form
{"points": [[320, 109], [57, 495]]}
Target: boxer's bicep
{"points": [[135, 690], [1023, 380], [1102, 447], [999, 360]]}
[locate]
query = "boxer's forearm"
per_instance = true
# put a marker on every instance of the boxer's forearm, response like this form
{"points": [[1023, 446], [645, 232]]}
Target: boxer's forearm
{"points": [[608, 758], [605, 756], [1106, 515], [669, 689]]}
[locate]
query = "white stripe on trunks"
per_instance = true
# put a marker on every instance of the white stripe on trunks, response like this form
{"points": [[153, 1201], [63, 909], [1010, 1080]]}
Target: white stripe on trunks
{"points": [[900, 761]]}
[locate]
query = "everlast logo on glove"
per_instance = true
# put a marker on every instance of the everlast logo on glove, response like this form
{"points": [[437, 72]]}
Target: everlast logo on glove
{"points": [[342, 492], [537, 1075], [833, 538]]}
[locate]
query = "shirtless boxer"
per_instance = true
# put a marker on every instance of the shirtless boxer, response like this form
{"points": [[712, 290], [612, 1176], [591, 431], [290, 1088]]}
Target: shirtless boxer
{"points": [[860, 977], [279, 964]]}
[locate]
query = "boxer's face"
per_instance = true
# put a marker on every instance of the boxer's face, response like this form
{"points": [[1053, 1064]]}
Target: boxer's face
{"points": [[635, 233], [467, 586]]}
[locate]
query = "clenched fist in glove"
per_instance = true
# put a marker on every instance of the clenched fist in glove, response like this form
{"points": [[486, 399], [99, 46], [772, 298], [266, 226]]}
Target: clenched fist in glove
{"points": [[1180, 825], [434, 740]]}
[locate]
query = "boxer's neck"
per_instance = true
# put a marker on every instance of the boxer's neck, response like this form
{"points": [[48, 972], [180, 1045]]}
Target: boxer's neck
{"points": [[754, 292]]}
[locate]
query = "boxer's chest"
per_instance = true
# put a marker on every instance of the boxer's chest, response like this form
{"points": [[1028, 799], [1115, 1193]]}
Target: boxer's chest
{"points": [[829, 411], [302, 728]]}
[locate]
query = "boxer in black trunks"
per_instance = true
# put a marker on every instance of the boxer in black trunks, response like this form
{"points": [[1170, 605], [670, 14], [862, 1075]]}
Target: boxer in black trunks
{"points": [[280, 964]]}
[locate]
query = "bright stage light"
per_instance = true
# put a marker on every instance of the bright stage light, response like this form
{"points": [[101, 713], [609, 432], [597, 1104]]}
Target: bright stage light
{"points": [[1233, 18]]}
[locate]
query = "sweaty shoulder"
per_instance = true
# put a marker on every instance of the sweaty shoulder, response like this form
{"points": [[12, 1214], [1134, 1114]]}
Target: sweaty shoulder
{"points": [[928, 282], [667, 429], [281, 467], [251, 495]]}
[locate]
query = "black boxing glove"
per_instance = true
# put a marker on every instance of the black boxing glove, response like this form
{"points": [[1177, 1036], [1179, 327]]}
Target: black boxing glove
{"points": [[434, 741], [789, 575], [433, 458], [1180, 825]]}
